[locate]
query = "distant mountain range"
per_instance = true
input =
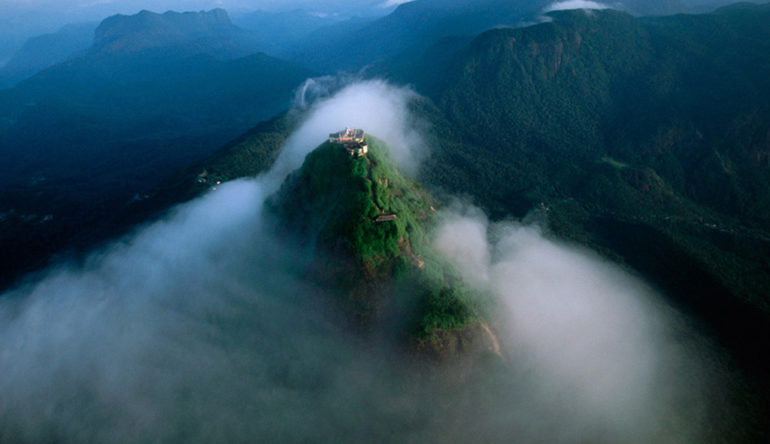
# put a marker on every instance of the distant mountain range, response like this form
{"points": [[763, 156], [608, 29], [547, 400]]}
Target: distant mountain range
{"points": [[413, 26], [276, 32], [145, 85], [212, 33], [154, 92], [354, 44], [186, 34], [47, 50]]}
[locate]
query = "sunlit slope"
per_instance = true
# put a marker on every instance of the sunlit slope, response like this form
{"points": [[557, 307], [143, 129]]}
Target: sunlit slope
{"points": [[367, 225]]}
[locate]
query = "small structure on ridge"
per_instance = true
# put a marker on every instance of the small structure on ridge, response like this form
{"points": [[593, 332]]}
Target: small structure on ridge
{"points": [[386, 217], [352, 140]]}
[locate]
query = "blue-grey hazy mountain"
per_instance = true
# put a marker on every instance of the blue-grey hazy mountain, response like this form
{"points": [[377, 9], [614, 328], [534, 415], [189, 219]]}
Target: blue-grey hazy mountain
{"points": [[275, 32], [188, 33], [154, 92], [20, 21], [416, 25], [19, 24], [356, 43], [670, 7], [47, 50], [148, 77]]}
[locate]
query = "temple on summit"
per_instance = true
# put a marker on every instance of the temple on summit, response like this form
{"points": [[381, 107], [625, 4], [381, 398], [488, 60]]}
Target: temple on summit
{"points": [[352, 140]]}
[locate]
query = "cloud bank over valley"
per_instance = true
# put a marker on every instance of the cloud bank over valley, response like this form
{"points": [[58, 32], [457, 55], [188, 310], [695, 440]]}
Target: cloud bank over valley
{"points": [[202, 327]]}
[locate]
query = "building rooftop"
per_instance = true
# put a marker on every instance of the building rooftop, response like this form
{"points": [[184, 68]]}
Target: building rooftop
{"points": [[348, 135]]}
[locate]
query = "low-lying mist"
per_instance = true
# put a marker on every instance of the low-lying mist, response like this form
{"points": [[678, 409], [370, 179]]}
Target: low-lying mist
{"points": [[602, 357], [574, 4], [202, 327], [374, 105]]}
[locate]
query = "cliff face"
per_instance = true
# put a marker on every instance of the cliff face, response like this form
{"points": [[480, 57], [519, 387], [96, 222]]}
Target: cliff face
{"points": [[367, 225]]}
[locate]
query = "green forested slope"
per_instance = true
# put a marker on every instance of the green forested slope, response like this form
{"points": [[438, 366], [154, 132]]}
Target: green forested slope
{"points": [[366, 225], [658, 121]]}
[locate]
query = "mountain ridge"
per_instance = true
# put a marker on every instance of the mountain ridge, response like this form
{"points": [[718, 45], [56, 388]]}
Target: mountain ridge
{"points": [[366, 226], [209, 32], [414, 23], [46, 50], [86, 136]]}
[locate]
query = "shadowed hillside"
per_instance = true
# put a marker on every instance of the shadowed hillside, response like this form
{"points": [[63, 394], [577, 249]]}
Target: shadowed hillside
{"points": [[85, 137]]}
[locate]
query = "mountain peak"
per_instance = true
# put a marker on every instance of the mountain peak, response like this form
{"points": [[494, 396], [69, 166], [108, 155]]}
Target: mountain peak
{"points": [[146, 29], [368, 224], [344, 193]]}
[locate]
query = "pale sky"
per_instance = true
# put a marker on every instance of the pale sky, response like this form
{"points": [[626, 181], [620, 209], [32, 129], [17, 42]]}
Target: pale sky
{"points": [[130, 6]]}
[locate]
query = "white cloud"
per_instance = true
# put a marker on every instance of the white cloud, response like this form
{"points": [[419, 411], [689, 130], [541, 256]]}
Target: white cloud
{"points": [[375, 106], [391, 3], [575, 4], [603, 346]]}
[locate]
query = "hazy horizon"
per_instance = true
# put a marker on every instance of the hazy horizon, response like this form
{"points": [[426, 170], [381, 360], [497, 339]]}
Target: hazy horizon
{"points": [[23, 19]]}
